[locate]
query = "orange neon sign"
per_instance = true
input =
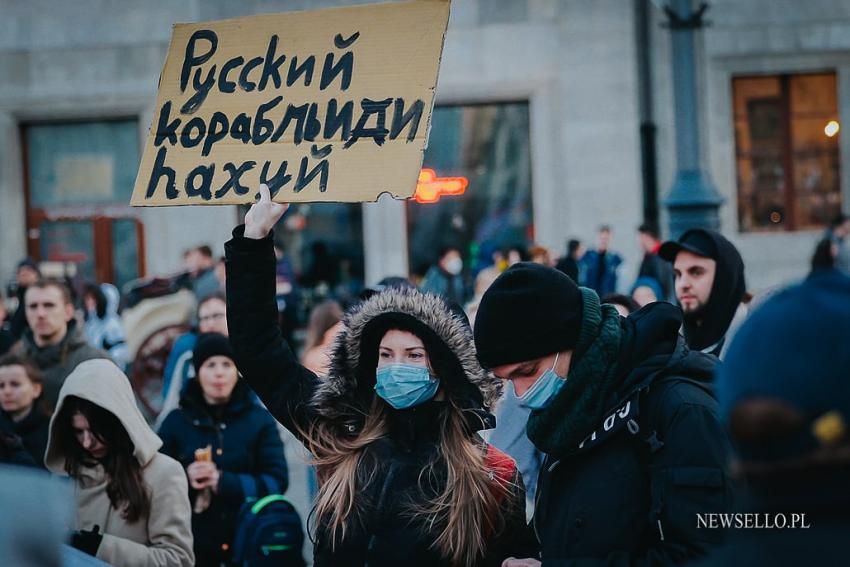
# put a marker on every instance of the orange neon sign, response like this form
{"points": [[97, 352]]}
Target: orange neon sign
{"points": [[429, 187]]}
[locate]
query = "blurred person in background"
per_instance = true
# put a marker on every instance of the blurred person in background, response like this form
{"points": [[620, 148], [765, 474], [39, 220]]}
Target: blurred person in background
{"points": [[26, 275], [212, 318], [20, 393], [217, 412], [710, 287], [783, 392], [54, 341], [647, 290], [571, 263], [540, 255], [103, 327], [7, 339], [201, 266], [599, 267], [132, 501], [324, 325], [445, 278], [652, 265]]}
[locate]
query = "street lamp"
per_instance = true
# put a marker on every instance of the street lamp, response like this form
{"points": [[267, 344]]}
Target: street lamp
{"points": [[693, 200]]}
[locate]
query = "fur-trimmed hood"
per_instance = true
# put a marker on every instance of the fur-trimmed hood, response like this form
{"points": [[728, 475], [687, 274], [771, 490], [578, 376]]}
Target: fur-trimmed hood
{"points": [[347, 391]]}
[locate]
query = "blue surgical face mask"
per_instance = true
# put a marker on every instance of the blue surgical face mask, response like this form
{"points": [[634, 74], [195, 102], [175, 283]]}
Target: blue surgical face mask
{"points": [[544, 389], [405, 385]]}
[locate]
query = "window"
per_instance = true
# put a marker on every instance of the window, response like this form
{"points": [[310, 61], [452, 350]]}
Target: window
{"points": [[488, 146], [79, 178], [786, 149]]}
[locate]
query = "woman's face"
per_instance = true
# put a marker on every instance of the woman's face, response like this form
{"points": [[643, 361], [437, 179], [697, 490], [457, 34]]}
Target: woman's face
{"points": [[402, 347], [87, 439], [217, 376], [90, 303], [17, 391]]}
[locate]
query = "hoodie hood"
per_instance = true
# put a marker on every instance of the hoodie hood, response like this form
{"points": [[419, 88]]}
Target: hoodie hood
{"points": [[102, 383], [346, 393]]}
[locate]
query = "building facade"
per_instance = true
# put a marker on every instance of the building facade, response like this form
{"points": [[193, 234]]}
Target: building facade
{"points": [[537, 106]]}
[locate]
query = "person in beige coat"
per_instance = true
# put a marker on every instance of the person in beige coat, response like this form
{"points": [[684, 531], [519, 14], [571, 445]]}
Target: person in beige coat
{"points": [[132, 502]]}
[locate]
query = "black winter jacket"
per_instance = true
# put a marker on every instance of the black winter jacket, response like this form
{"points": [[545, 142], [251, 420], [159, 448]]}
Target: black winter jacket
{"points": [[33, 430], [631, 492], [246, 448], [298, 399]]}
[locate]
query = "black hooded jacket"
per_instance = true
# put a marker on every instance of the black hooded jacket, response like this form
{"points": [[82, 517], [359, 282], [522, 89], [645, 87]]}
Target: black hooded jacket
{"points": [[630, 493], [707, 328], [298, 399]]}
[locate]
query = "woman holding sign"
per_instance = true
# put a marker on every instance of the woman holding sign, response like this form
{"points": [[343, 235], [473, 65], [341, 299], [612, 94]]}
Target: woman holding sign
{"points": [[404, 477]]}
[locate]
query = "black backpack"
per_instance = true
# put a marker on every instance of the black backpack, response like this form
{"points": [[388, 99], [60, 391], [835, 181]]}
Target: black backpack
{"points": [[268, 532]]}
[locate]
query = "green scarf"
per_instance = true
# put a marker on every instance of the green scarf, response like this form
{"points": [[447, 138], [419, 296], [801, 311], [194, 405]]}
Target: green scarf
{"points": [[582, 402]]}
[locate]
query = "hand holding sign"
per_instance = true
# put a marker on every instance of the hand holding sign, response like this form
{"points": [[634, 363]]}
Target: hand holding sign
{"points": [[263, 215]]}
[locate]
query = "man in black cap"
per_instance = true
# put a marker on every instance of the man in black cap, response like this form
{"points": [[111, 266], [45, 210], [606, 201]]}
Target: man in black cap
{"points": [[710, 287], [624, 413]]}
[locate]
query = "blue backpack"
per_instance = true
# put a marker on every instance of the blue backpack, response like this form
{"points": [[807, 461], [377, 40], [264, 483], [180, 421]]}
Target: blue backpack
{"points": [[268, 532]]}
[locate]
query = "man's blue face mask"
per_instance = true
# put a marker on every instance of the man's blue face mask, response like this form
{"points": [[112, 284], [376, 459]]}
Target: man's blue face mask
{"points": [[405, 385], [544, 389]]}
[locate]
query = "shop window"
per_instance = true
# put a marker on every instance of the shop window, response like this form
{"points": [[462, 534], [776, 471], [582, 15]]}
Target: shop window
{"points": [[79, 178], [787, 152], [475, 190]]}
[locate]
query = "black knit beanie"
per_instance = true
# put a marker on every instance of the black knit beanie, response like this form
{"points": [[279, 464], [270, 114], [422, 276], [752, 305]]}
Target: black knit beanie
{"points": [[209, 345], [529, 312]]}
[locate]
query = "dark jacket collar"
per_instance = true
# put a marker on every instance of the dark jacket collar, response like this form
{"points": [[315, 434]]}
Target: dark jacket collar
{"points": [[193, 403], [51, 354]]}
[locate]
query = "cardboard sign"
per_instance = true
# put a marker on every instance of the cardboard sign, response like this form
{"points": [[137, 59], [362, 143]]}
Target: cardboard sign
{"points": [[329, 105]]}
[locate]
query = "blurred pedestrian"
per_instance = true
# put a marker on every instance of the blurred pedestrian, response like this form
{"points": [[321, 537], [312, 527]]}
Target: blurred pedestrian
{"points": [[217, 414], [647, 290], [132, 501], [212, 318], [540, 255], [20, 393], [710, 287], [623, 411], [652, 265], [824, 255], [445, 278], [324, 325], [7, 339], [26, 275], [783, 393], [103, 327], [570, 264], [201, 266], [404, 479], [54, 342], [599, 267]]}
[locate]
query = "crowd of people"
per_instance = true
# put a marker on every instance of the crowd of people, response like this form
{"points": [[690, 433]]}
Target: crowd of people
{"points": [[537, 416]]}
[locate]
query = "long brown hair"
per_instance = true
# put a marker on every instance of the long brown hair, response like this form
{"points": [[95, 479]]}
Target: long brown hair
{"points": [[465, 512], [125, 486]]}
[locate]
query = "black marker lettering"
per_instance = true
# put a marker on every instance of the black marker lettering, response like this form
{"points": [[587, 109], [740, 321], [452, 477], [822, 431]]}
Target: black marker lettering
{"points": [[186, 138], [235, 173], [330, 71], [224, 85], [334, 120], [263, 127], [217, 131], [277, 181], [401, 118], [379, 132], [305, 69], [205, 173], [271, 66], [191, 60], [244, 83], [164, 128], [241, 128], [297, 112], [160, 169]]}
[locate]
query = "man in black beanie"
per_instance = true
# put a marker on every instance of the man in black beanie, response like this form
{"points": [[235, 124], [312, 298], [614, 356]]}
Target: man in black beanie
{"points": [[710, 287], [624, 413]]}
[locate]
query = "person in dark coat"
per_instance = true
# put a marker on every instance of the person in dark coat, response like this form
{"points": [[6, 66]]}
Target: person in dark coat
{"points": [[26, 275], [569, 264], [623, 411], [404, 477], [598, 269], [20, 393], [652, 265], [217, 411], [710, 287], [784, 394]]}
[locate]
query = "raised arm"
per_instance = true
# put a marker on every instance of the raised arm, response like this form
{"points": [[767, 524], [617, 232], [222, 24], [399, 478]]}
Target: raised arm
{"points": [[262, 356]]}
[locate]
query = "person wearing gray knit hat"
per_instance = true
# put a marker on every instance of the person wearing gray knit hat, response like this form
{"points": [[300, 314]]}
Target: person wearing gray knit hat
{"points": [[622, 409]]}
